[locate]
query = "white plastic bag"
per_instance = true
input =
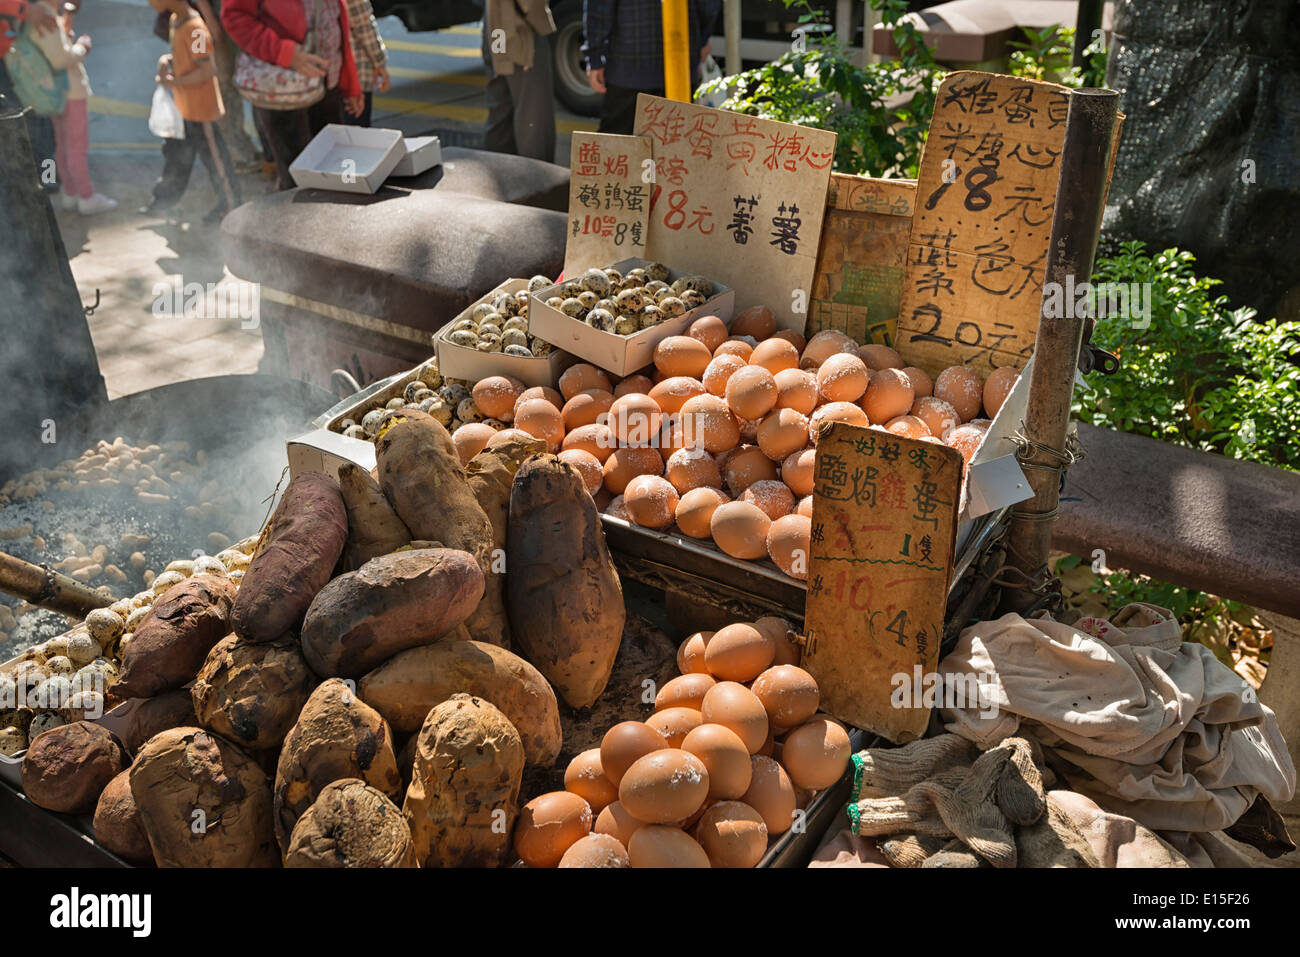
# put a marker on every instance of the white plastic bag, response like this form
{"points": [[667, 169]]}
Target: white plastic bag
{"points": [[165, 116], [710, 71]]}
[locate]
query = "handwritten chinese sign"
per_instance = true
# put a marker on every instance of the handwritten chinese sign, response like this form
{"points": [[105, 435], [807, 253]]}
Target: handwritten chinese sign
{"points": [[985, 197], [738, 199], [863, 256], [609, 200], [883, 526]]}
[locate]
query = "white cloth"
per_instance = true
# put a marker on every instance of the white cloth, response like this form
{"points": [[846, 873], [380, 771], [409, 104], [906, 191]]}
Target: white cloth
{"points": [[1147, 725]]}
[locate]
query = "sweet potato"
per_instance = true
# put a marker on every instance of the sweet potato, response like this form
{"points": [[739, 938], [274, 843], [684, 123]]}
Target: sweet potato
{"points": [[203, 802], [168, 647], [351, 825], [294, 559], [117, 822], [391, 603], [373, 527], [464, 793], [491, 473], [563, 594], [422, 477], [171, 709], [67, 768], [407, 686], [336, 736], [252, 694]]}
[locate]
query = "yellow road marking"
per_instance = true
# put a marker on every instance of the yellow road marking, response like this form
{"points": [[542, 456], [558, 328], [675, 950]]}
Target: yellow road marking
{"points": [[465, 30], [441, 49], [127, 146], [458, 79], [465, 114], [104, 105]]}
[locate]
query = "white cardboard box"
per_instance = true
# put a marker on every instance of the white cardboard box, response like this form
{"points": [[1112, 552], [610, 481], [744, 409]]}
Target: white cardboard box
{"points": [[324, 451], [348, 159], [459, 362], [421, 153]]}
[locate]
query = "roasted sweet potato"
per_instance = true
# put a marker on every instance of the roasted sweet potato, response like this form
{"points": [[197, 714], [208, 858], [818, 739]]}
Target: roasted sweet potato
{"points": [[351, 825], [294, 559], [252, 694], [117, 822], [464, 793], [336, 736], [491, 474], [168, 648], [203, 802], [407, 686], [373, 527], [171, 709], [391, 603], [67, 768], [563, 594]]}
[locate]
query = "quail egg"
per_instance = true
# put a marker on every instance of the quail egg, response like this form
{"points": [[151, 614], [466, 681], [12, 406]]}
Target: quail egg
{"points": [[12, 741], [588, 299], [630, 300], [514, 337], [506, 305], [539, 347], [627, 325], [395, 403], [657, 271], [615, 277], [672, 307], [516, 322], [411, 389], [468, 411], [692, 298], [479, 311], [516, 350], [595, 281], [555, 302], [370, 421], [44, 722], [488, 342], [572, 308], [600, 319], [538, 282], [453, 393], [437, 407]]}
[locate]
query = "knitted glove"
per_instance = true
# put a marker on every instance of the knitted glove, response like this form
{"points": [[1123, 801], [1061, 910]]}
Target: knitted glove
{"points": [[911, 850], [955, 854], [885, 772], [1020, 794], [971, 812]]}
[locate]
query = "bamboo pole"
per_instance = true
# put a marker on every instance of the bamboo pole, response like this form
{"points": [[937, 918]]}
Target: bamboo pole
{"points": [[47, 588]]}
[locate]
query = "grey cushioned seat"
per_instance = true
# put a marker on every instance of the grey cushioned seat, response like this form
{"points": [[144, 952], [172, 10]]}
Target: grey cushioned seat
{"points": [[500, 176]]}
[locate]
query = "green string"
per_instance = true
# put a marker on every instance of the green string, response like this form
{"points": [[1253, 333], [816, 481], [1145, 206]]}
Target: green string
{"points": [[853, 816], [858, 761]]}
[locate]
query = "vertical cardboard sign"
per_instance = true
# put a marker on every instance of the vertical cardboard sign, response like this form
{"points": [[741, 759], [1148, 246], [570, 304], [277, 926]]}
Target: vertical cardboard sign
{"points": [[609, 200], [883, 527], [984, 202], [738, 199]]}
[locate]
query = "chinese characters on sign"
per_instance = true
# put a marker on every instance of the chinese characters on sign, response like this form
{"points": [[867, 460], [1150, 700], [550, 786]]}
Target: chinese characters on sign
{"points": [[740, 199], [883, 526], [985, 197], [611, 178]]}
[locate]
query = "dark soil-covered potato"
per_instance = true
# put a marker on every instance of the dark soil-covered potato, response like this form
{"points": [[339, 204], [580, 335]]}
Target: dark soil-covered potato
{"points": [[351, 824], [294, 559], [464, 793], [67, 768], [391, 603], [117, 822], [406, 687], [336, 736], [373, 527], [252, 694], [563, 594], [203, 802], [168, 648], [171, 709]]}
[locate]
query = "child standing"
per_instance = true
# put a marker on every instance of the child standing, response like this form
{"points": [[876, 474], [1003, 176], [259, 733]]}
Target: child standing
{"points": [[190, 73], [370, 55], [72, 126]]}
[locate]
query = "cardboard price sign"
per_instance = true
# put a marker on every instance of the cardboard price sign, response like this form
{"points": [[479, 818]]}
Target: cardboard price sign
{"points": [[738, 199], [609, 200], [883, 531], [985, 197]]}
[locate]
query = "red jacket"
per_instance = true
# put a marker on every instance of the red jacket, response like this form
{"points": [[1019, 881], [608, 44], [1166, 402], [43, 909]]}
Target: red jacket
{"points": [[270, 30]]}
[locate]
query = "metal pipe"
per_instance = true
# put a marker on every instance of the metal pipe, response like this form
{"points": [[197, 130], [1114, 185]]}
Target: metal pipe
{"points": [[677, 50], [47, 588], [1076, 223]]}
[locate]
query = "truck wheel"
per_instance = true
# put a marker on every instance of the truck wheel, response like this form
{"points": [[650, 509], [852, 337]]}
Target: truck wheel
{"points": [[571, 86]]}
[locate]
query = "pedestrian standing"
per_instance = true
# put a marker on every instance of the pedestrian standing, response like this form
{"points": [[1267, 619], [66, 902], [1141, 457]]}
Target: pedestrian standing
{"points": [[372, 58], [517, 51], [13, 14]]}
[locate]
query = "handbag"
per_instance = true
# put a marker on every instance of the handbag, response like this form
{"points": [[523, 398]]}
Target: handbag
{"points": [[274, 87], [36, 83]]}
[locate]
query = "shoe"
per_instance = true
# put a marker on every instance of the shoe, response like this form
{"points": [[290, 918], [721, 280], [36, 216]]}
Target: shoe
{"points": [[68, 201], [216, 214], [156, 208], [97, 203]]}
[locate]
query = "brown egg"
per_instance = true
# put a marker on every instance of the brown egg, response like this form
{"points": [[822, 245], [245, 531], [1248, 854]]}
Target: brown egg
{"points": [[740, 529], [495, 395], [726, 757], [635, 419], [772, 496], [779, 630], [596, 850], [471, 439], [690, 654], [586, 778], [586, 408], [879, 357], [684, 691], [709, 423], [665, 786], [908, 426], [889, 395], [588, 466], [960, 387], [682, 356], [549, 825], [782, 432], [823, 345], [769, 743], [718, 371], [583, 376], [695, 511], [774, 355], [539, 418], [687, 469], [842, 378], [795, 339], [744, 467], [922, 384], [594, 439], [623, 465], [617, 823], [634, 383], [661, 846], [675, 723], [540, 392], [796, 389], [836, 412], [966, 439], [651, 501], [624, 744], [616, 507], [734, 706], [507, 435], [806, 504], [756, 321], [671, 394], [709, 330], [735, 347], [789, 694], [797, 471], [816, 753], [738, 652], [751, 392], [788, 544], [997, 387], [771, 794], [732, 834], [937, 414]]}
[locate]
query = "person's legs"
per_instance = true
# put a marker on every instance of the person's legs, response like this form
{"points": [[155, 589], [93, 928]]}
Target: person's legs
{"points": [[499, 131], [178, 160], [534, 105], [210, 144], [286, 133], [328, 110], [71, 138], [364, 118], [618, 109]]}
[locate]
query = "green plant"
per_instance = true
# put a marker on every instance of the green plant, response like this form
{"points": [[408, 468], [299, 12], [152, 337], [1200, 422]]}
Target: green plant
{"points": [[1046, 54], [1195, 371]]}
